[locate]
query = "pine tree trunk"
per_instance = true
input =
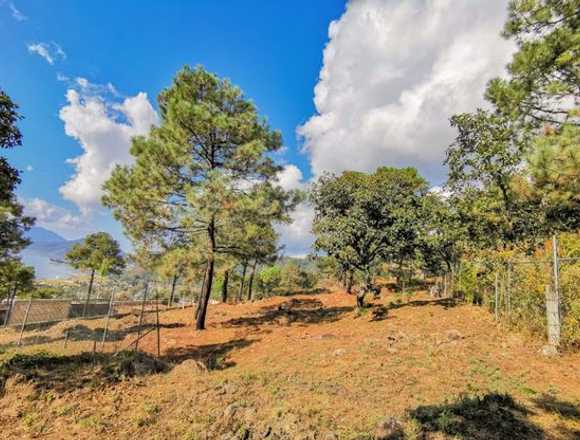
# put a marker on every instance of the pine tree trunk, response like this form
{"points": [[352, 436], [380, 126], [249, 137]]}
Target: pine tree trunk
{"points": [[350, 282], [197, 298], [85, 309], [360, 299], [225, 287], [251, 282], [172, 295], [206, 292], [241, 292]]}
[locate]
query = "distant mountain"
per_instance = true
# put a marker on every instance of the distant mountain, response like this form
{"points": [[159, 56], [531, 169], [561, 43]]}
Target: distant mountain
{"points": [[46, 253], [41, 235]]}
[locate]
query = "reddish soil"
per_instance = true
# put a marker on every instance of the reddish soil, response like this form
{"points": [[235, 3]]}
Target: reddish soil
{"points": [[310, 367]]}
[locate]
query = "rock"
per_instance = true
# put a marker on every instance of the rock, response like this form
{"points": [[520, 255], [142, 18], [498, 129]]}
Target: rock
{"points": [[231, 410], [389, 429], [339, 352], [189, 367], [549, 350], [453, 335]]}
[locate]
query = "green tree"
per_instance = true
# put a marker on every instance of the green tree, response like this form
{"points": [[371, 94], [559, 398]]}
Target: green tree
{"points": [[269, 278], [544, 74], [13, 223], [554, 168], [362, 220], [98, 253], [207, 164], [15, 277]]}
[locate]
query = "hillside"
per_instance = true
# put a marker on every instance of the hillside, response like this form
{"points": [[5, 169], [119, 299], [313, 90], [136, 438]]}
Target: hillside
{"points": [[303, 367], [46, 252]]}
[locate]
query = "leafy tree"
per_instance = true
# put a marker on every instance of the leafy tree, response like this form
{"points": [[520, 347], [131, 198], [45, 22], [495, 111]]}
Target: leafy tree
{"points": [[545, 70], [98, 253], [554, 167], [15, 277], [13, 223], [487, 179], [362, 220], [205, 166], [269, 278]]}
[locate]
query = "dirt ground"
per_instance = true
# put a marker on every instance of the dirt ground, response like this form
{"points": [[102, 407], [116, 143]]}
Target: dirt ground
{"points": [[310, 367]]}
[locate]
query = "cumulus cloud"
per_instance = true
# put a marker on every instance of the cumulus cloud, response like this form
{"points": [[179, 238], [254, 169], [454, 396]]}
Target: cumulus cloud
{"points": [[49, 51], [55, 218], [393, 73], [104, 129], [296, 237]]}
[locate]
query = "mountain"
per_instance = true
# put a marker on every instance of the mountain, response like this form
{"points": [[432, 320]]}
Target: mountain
{"points": [[46, 253], [41, 235]]}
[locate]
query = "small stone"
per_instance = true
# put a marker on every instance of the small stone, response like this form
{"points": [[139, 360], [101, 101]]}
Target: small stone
{"points": [[454, 335], [389, 429], [549, 350], [339, 352]]}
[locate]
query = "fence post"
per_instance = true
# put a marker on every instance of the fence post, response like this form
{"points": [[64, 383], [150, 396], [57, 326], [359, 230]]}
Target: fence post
{"points": [[496, 287], [553, 318], [556, 273], [141, 316], [24, 321], [106, 329], [157, 323]]}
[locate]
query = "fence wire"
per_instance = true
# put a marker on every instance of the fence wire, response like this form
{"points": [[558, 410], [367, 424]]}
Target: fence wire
{"points": [[108, 323]]}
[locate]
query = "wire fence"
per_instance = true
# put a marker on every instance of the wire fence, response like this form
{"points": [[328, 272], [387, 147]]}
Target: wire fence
{"points": [[537, 294], [73, 325]]}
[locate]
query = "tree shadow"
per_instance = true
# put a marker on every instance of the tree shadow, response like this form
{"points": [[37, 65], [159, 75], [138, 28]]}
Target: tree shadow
{"points": [[66, 373], [550, 403], [304, 311], [493, 416], [210, 356], [313, 291], [446, 303]]}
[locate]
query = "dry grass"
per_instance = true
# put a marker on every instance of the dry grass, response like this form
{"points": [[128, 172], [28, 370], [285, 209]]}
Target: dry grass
{"points": [[310, 367]]}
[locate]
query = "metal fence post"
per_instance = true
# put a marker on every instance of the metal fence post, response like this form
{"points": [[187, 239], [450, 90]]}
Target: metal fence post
{"points": [[553, 318], [141, 316], [106, 329], [24, 321]]}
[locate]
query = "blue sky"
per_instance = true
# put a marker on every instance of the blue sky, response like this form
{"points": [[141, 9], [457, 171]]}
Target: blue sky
{"points": [[272, 50], [384, 87]]}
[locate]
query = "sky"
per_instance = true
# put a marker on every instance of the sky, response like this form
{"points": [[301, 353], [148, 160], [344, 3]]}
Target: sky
{"points": [[351, 85]]}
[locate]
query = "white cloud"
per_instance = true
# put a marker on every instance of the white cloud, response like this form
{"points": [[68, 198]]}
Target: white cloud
{"points": [[290, 178], [29, 168], [104, 130], [16, 14], [56, 219], [296, 236], [393, 73], [49, 51]]}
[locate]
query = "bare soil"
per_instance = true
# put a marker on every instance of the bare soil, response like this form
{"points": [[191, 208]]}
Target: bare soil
{"points": [[305, 367]]}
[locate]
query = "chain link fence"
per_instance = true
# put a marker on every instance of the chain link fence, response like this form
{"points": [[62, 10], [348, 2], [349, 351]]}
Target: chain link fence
{"points": [[109, 323], [536, 294]]}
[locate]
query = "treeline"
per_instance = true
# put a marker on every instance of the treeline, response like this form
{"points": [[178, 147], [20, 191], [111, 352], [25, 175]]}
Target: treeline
{"points": [[513, 175]]}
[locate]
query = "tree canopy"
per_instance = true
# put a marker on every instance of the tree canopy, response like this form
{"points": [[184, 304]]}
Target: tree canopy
{"points": [[206, 166]]}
